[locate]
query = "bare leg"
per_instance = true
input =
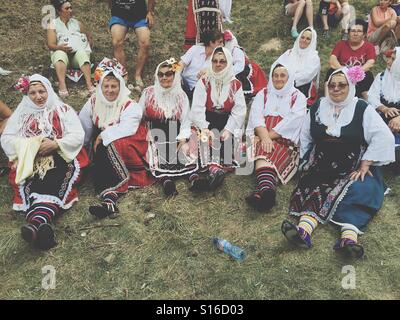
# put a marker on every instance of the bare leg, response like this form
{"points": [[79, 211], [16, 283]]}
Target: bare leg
{"points": [[61, 71], [87, 74], [309, 12], [324, 19], [385, 30], [118, 33], [143, 34], [299, 12]]}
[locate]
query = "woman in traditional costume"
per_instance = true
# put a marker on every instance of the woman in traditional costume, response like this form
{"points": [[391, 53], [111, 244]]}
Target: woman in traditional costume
{"points": [[305, 64], [248, 72], [343, 143], [384, 96], [276, 117], [202, 16], [116, 134], [172, 146], [218, 111], [43, 140]]}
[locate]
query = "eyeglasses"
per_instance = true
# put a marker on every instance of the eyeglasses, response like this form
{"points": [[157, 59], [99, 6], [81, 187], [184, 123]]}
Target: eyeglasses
{"points": [[356, 31], [340, 86], [166, 74], [218, 61]]}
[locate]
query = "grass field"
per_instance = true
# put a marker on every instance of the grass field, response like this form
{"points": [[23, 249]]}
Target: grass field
{"points": [[171, 256]]}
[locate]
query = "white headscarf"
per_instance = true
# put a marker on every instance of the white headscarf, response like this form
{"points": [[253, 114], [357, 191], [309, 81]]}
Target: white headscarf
{"points": [[299, 59], [28, 112], [335, 115], [169, 100], [220, 81], [108, 112], [391, 80]]}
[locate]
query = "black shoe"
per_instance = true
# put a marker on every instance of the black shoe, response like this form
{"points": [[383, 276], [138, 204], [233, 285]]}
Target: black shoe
{"points": [[349, 249], [253, 200], [45, 239], [169, 188], [296, 235], [267, 200], [105, 210], [199, 184], [28, 233], [216, 179]]}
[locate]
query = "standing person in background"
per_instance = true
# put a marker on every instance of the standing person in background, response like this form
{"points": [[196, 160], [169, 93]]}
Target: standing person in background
{"points": [[134, 14], [202, 16], [295, 9], [355, 52], [70, 44], [226, 7]]}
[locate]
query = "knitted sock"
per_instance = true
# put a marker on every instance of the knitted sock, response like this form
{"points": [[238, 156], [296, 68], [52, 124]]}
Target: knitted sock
{"points": [[41, 213], [266, 178], [308, 223], [110, 197], [349, 233], [213, 169]]}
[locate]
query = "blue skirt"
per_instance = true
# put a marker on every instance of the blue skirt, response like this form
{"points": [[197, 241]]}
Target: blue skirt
{"points": [[362, 201]]}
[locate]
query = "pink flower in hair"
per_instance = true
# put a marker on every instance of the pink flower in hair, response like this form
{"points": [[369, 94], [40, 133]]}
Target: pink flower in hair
{"points": [[22, 84], [355, 74]]}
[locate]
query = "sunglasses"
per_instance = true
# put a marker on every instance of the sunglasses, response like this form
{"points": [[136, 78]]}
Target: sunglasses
{"points": [[218, 61], [340, 86], [166, 74]]}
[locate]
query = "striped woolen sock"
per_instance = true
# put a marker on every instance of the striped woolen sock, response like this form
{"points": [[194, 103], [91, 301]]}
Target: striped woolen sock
{"points": [[110, 197], [41, 213], [349, 232], [213, 169], [308, 223], [266, 178]]}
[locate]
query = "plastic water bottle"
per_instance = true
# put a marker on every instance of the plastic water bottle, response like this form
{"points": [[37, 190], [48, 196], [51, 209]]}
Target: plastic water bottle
{"points": [[225, 246]]}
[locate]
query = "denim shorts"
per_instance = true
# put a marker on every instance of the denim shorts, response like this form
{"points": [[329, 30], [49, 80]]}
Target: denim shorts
{"points": [[128, 24]]}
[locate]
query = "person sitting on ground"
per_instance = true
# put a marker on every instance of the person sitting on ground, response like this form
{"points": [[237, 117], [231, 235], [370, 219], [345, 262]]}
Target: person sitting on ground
{"points": [[172, 148], [202, 16], [355, 52], [295, 9], [116, 136], [304, 63], [196, 60], [139, 16], [5, 113], [218, 111], [331, 13], [276, 116], [384, 96], [70, 44], [248, 72], [345, 188], [396, 7], [382, 20], [43, 140]]}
